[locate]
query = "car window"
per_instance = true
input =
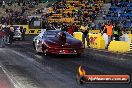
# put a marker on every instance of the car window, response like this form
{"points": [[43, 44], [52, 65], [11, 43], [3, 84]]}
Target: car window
{"points": [[50, 35], [68, 35], [54, 34]]}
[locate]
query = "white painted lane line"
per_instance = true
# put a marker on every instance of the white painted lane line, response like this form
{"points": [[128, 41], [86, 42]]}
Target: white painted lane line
{"points": [[15, 83]]}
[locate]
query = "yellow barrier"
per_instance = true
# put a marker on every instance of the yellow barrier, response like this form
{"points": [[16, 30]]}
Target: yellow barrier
{"points": [[24, 26], [129, 32], [29, 31], [37, 31], [78, 35], [96, 40], [119, 46], [34, 31], [130, 35], [94, 31]]}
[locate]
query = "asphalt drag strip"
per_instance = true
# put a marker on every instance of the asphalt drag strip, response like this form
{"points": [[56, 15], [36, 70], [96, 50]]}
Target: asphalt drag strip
{"points": [[38, 74], [38, 71]]}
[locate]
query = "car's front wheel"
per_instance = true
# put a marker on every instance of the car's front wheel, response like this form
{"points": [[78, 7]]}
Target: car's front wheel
{"points": [[44, 49], [35, 47]]}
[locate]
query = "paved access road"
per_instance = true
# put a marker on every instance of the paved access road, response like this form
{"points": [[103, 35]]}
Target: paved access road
{"points": [[25, 69]]}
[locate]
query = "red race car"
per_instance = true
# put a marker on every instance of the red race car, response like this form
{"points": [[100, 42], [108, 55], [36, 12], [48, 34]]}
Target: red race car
{"points": [[57, 42]]}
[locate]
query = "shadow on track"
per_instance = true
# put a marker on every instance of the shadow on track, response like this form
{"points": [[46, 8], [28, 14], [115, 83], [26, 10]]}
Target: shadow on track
{"points": [[63, 57]]}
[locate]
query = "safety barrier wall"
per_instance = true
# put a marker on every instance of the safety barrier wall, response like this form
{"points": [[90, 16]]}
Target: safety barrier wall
{"points": [[29, 31], [37, 31], [34, 31], [24, 26], [119, 46], [95, 40], [124, 45], [78, 35], [98, 41]]}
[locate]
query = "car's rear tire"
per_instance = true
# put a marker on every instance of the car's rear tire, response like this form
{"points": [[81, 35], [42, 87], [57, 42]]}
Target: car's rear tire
{"points": [[38, 52], [21, 39], [79, 54]]}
